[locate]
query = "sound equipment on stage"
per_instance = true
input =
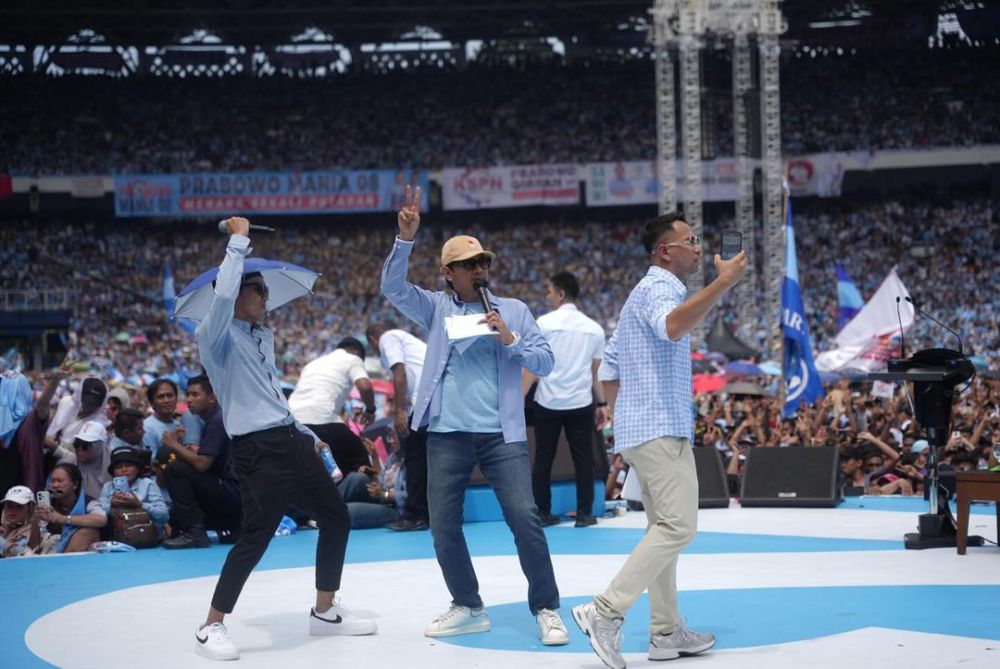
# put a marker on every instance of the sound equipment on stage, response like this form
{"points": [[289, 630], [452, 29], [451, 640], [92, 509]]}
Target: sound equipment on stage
{"points": [[713, 490], [796, 476], [934, 373]]}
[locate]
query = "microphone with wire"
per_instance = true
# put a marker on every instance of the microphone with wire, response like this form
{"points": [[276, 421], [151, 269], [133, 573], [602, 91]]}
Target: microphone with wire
{"points": [[924, 313], [480, 286], [224, 227]]}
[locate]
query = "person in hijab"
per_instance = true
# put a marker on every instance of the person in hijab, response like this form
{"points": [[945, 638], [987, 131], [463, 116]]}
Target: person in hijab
{"points": [[19, 531], [117, 400], [85, 404], [22, 428], [93, 457]]}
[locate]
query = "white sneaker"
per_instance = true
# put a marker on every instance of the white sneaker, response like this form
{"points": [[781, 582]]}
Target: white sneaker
{"points": [[551, 629], [213, 642], [459, 620], [338, 621]]}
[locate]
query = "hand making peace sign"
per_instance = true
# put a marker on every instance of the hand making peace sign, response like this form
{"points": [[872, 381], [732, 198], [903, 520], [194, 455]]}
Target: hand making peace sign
{"points": [[409, 215]]}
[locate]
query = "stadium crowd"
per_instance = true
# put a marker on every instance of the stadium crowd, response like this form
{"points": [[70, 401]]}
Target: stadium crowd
{"points": [[505, 115]]}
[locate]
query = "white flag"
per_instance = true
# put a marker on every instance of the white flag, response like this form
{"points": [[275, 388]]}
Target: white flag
{"points": [[870, 329]]}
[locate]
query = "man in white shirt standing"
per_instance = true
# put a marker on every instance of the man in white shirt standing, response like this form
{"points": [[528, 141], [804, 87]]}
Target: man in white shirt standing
{"points": [[319, 397], [565, 399], [402, 355]]}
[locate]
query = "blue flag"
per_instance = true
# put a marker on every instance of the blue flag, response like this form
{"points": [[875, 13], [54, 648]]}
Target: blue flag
{"points": [[802, 379], [170, 299], [848, 298]]}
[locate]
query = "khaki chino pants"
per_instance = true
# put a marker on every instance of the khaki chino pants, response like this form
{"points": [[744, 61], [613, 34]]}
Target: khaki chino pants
{"points": [[669, 483]]}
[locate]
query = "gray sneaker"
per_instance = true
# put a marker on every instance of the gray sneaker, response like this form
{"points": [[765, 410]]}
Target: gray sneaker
{"points": [[681, 642], [605, 634]]}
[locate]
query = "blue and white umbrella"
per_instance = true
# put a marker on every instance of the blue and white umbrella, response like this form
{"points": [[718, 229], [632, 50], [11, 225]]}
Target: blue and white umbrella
{"points": [[285, 282]]}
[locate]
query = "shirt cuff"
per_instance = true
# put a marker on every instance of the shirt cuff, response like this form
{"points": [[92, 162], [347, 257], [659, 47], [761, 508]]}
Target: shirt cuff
{"points": [[239, 242], [517, 340]]}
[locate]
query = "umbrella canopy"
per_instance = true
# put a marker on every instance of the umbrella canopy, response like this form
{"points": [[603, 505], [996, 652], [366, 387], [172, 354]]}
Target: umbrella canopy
{"points": [[771, 368], [708, 383], [703, 366], [285, 282], [742, 367], [744, 388]]}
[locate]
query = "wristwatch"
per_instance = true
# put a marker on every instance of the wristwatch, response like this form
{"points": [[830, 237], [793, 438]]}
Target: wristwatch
{"points": [[69, 519]]}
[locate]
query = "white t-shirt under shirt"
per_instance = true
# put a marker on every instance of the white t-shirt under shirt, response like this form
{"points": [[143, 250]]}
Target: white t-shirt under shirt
{"points": [[399, 346], [576, 342], [323, 387]]}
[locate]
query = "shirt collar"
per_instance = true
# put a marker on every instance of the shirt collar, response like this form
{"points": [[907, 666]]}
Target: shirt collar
{"points": [[458, 301], [568, 305], [669, 277]]}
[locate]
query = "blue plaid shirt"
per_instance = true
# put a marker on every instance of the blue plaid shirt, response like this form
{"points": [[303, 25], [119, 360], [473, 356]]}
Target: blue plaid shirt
{"points": [[654, 373]]}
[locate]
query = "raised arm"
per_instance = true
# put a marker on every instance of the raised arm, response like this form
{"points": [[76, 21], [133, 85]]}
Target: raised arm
{"points": [[214, 329], [415, 303]]}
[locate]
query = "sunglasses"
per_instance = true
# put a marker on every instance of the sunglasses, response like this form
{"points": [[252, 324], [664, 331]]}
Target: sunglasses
{"points": [[471, 263], [260, 288]]}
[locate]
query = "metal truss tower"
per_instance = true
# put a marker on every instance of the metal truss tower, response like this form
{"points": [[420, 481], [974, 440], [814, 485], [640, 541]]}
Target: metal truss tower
{"points": [[684, 24], [746, 290]]}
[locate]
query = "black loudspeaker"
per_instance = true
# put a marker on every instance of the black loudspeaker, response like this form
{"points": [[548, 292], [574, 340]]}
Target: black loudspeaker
{"points": [[713, 491], [791, 477]]}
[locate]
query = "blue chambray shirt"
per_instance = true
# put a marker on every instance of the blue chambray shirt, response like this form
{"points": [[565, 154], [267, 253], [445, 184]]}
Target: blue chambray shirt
{"points": [[428, 309], [239, 356], [654, 373]]}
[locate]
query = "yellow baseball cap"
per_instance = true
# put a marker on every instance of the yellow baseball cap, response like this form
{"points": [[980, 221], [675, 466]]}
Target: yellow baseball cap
{"points": [[462, 247]]}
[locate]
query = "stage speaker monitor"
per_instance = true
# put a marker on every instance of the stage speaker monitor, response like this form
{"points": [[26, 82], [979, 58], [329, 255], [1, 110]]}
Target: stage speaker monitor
{"points": [[713, 492], [791, 477]]}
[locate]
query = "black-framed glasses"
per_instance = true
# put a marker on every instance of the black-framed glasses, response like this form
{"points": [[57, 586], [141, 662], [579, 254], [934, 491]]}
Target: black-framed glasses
{"points": [[260, 288], [470, 264]]}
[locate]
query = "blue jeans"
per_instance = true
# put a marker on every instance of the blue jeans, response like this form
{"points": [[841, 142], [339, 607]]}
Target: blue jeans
{"points": [[366, 512], [451, 457]]}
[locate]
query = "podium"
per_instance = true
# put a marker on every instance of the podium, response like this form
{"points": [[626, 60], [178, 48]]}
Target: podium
{"points": [[934, 373]]}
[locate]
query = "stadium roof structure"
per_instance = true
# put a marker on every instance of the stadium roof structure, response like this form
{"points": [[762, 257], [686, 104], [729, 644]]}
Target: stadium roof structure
{"points": [[268, 22]]}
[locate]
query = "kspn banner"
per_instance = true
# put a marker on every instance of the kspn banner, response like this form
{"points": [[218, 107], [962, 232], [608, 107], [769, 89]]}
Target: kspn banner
{"points": [[217, 194], [511, 186], [626, 183]]}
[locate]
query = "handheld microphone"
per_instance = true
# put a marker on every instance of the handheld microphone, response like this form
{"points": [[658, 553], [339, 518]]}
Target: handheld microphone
{"points": [[902, 340], [924, 313], [480, 286], [224, 227]]}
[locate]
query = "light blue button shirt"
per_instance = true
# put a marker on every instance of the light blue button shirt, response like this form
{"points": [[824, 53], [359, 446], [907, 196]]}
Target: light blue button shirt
{"points": [[654, 373], [428, 309], [239, 356]]}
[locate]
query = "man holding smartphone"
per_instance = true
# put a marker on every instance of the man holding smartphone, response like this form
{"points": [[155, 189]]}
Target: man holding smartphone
{"points": [[646, 373]]}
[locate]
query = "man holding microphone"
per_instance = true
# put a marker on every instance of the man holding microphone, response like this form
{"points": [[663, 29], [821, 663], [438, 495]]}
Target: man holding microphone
{"points": [[470, 399]]}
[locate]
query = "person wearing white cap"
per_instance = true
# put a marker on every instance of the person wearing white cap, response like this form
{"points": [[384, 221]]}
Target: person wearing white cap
{"points": [[92, 457], [19, 534]]}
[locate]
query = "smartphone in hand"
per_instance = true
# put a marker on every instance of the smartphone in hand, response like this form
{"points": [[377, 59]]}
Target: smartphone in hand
{"points": [[43, 498], [732, 244]]}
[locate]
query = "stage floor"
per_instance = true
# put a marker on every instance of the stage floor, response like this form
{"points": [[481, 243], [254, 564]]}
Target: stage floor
{"points": [[780, 588]]}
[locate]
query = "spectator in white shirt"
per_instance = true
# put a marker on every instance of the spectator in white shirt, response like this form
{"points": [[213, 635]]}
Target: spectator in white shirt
{"points": [[565, 399], [319, 397], [402, 355]]}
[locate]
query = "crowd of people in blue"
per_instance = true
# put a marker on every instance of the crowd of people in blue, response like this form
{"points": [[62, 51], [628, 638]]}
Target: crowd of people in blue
{"points": [[141, 438], [505, 115]]}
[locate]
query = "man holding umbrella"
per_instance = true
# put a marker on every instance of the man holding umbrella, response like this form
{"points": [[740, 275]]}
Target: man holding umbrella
{"points": [[275, 458]]}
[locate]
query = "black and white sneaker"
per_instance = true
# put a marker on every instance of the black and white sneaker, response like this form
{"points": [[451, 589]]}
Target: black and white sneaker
{"points": [[338, 621], [213, 642]]}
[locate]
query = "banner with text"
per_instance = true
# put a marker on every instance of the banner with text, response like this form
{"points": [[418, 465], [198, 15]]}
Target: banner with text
{"points": [[629, 183], [224, 194], [510, 186], [635, 182]]}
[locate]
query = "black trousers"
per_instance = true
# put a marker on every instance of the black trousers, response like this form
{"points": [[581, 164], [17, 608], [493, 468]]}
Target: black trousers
{"points": [[579, 426], [346, 447], [197, 495], [277, 467], [415, 456]]}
